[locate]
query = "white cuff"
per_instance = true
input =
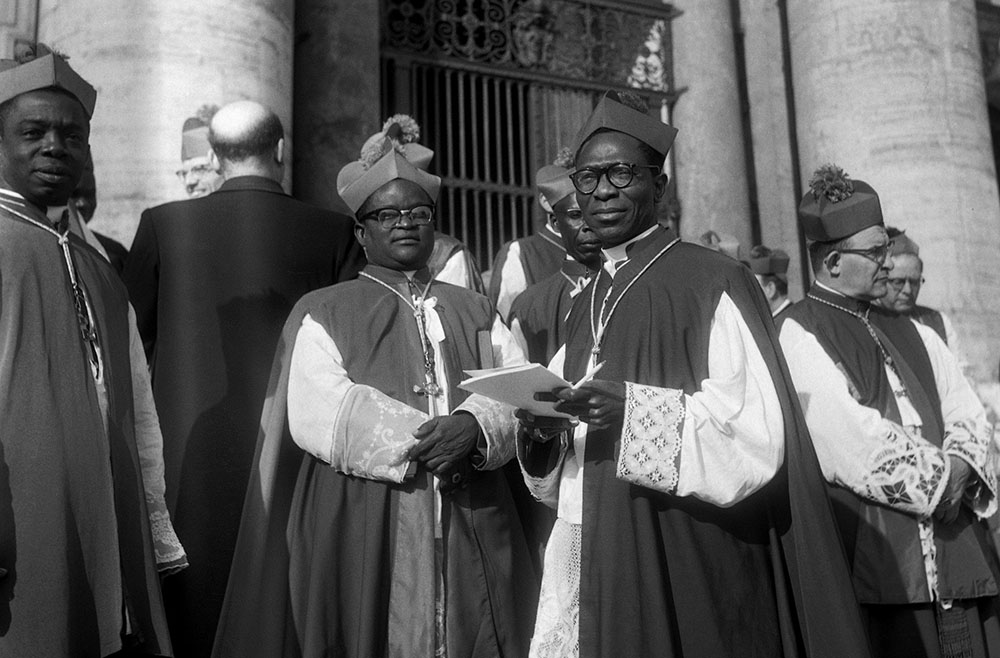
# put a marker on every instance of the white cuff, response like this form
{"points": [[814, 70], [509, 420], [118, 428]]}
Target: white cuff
{"points": [[651, 437]]}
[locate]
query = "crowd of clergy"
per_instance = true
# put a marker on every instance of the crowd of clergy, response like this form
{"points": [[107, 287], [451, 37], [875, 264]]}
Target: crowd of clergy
{"points": [[247, 436]]}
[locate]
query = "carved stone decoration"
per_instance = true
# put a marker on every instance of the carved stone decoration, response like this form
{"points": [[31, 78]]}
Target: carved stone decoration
{"points": [[607, 43]]}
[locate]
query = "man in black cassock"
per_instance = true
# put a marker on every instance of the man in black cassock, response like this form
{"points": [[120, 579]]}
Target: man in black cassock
{"points": [[77, 566], [900, 435], [212, 280], [693, 518]]}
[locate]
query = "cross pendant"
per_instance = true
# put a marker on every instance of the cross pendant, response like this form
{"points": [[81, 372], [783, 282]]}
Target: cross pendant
{"points": [[430, 389]]}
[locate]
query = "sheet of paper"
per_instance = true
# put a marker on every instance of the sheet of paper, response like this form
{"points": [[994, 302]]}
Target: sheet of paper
{"points": [[517, 385]]}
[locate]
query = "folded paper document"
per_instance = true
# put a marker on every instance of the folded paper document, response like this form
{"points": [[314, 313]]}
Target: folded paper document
{"points": [[517, 385]]}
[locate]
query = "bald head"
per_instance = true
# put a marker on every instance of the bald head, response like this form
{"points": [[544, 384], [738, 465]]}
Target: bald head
{"points": [[245, 134]]}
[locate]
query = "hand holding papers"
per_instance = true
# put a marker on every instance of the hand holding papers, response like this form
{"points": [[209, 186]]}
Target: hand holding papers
{"points": [[517, 386]]}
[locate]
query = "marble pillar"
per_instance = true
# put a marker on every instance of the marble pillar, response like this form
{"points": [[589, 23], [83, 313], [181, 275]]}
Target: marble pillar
{"points": [[709, 151], [154, 64], [337, 92], [770, 136], [17, 23], [894, 93]]}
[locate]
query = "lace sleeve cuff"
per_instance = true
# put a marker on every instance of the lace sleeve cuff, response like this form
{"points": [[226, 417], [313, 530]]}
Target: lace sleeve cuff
{"points": [[960, 441], [544, 487], [170, 555], [372, 435], [499, 425], [906, 474], [651, 437]]}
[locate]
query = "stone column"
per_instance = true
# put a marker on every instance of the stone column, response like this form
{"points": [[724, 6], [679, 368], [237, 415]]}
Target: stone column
{"points": [[337, 92], [153, 64], [894, 93], [709, 151], [17, 23], [769, 127]]}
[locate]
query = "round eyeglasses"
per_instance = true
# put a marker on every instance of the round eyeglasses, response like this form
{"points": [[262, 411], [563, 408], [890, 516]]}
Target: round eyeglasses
{"points": [[389, 218], [620, 174]]}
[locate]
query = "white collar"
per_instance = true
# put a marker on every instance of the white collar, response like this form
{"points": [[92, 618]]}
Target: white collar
{"points": [[613, 255]]}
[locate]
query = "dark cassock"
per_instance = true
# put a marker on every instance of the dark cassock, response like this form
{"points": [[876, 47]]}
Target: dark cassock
{"points": [[212, 280], [538, 315], [888, 409], [347, 547], [698, 525], [79, 569], [523, 262]]}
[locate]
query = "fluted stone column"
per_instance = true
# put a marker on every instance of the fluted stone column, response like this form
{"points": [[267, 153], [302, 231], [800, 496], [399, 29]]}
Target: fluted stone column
{"points": [[153, 64], [709, 151], [337, 93], [17, 22], [894, 93], [769, 128]]}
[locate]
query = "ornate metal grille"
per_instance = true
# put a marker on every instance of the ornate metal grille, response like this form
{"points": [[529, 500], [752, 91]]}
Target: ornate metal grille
{"points": [[500, 85]]}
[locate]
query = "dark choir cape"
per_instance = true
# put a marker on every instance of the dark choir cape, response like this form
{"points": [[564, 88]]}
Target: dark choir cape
{"points": [[314, 560], [541, 311], [672, 576], [67, 486], [882, 544], [542, 253]]}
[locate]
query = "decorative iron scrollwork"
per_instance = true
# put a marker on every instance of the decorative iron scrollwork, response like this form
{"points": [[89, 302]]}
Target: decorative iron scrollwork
{"points": [[612, 43]]}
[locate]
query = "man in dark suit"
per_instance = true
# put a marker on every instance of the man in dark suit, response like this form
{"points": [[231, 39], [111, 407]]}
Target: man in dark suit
{"points": [[212, 280]]}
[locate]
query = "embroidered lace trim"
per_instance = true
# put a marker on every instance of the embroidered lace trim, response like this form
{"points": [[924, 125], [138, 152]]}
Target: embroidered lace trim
{"points": [[372, 435], [545, 488], [961, 441], [906, 473], [170, 555], [651, 437], [557, 625]]}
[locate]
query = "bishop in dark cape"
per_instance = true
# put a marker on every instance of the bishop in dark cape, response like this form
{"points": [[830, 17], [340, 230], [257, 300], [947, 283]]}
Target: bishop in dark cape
{"points": [[901, 437], [77, 566], [377, 521], [693, 518], [523, 262]]}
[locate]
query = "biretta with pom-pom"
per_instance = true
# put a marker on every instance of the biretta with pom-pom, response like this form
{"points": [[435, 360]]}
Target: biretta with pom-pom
{"points": [[45, 71], [610, 114], [837, 206], [358, 180]]}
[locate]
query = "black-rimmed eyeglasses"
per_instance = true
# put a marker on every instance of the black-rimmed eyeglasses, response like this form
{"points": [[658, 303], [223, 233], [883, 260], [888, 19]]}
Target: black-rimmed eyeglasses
{"points": [[877, 254], [389, 218], [620, 174]]}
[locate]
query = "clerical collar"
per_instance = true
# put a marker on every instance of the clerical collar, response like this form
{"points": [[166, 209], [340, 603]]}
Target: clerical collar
{"points": [[402, 277], [614, 255]]}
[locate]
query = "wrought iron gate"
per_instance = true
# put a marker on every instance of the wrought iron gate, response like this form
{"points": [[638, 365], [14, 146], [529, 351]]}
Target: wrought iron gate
{"points": [[499, 86]]}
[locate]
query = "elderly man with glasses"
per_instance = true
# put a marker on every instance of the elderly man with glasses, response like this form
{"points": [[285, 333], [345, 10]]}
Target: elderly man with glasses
{"points": [[688, 495], [904, 283], [900, 435]]}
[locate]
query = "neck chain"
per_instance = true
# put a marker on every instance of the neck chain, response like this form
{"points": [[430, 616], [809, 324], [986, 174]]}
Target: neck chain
{"points": [[886, 358], [83, 315], [430, 387], [598, 326]]}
